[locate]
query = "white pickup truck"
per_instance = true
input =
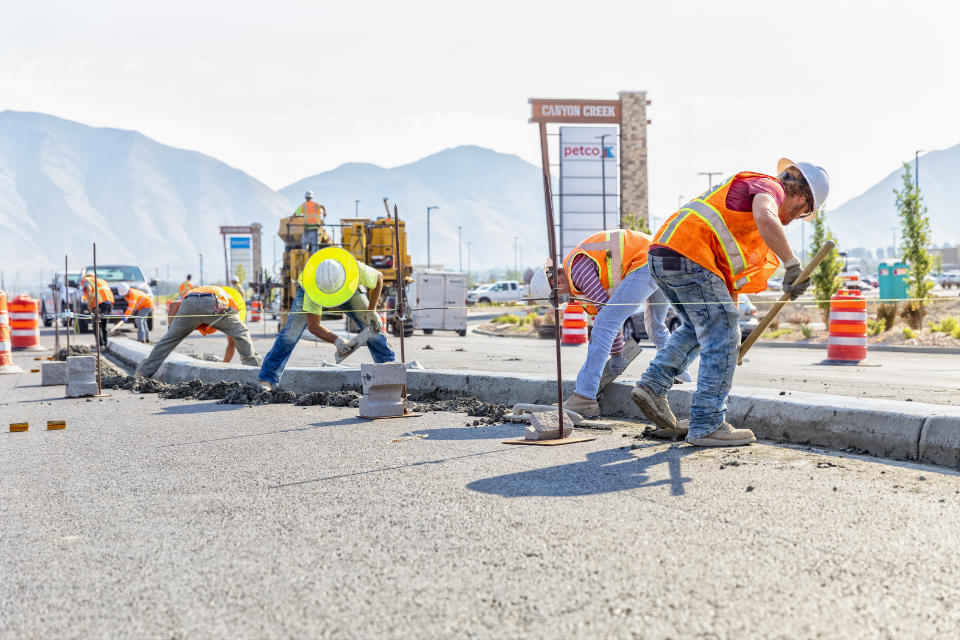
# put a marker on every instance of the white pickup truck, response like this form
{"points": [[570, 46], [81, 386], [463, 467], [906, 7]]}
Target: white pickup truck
{"points": [[500, 291]]}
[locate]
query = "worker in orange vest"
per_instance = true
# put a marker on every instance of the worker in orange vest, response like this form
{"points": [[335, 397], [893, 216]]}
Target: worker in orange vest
{"points": [[139, 306], [727, 241], [314, 215], [608, 274], [204, 309], [98, 296], [185, 286]]}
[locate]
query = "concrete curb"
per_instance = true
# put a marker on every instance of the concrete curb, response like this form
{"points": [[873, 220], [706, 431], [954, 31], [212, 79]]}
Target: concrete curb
{"points": [[870, 347], [903, 430]]}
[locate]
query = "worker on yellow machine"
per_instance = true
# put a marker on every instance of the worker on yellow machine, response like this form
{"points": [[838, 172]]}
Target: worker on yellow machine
{"points": [[331, 278], [727, 241], [139, 305], [312, 212], [185, 286], [205, 309], [98, 296]]}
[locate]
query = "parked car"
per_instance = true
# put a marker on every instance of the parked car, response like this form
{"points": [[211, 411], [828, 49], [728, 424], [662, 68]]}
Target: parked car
{"points": [[633, 326], [501, 291], [748, 317], [115, 274], [950, 278], [47, 307]]}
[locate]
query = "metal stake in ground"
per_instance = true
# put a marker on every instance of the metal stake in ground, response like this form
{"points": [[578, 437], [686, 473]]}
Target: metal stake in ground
{"points": [[399, 311], [96, 315], [56, 317], [784, 299], [66, 293]]}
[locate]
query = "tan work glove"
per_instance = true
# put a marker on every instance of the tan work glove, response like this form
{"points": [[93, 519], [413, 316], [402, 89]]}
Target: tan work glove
{"points": [[790, 284], [342, 347]]}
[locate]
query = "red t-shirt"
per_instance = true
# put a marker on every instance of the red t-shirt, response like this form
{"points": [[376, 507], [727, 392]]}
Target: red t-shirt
{"points": [[740, 196]]}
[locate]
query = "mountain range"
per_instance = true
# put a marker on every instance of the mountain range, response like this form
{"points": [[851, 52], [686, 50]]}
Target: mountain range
{"points": [[65, 185]]}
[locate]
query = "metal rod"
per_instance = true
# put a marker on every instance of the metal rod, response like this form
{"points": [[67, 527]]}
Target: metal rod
{"points": [[552, 242], [399, 309], [96, 315], [56, 316], [226, 264], [66, 292]]}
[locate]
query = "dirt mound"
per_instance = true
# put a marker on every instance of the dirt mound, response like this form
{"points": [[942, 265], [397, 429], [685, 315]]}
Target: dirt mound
{"points": [[75, 350], [490, 412], [329, 399]]}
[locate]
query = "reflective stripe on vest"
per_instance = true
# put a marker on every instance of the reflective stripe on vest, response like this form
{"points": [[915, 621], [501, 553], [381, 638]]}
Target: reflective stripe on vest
{"points": [[613, 249]]}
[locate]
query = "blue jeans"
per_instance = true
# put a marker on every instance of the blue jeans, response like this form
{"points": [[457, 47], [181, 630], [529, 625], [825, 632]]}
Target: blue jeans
{"points": [[627, 296], [276, 360], [711, 327]]}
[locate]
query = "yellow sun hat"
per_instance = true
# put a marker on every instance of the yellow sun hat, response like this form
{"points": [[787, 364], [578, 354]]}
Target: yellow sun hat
{"points": [[331, 276], [233, 293]]}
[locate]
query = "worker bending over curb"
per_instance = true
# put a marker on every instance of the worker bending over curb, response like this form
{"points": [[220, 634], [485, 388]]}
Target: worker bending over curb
{"points": [[206, 309], [139, 305], [331, 278], [723, 243], [102, 300], [608, 273]]}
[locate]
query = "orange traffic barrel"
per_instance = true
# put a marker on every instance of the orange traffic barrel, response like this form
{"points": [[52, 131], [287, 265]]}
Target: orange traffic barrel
{"points": [[4, 314], [847, 341], [25, 323], [255, 308], [6, 360], [574, 328]]}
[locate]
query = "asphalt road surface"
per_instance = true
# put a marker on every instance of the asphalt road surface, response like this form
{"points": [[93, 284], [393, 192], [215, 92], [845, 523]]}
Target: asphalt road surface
{"points": [[920, 377], [151, 518]]}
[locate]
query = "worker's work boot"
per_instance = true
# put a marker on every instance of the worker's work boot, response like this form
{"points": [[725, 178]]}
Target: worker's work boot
{"points": [[266, 385], [657, 410], [586, 407], [725, 436]]}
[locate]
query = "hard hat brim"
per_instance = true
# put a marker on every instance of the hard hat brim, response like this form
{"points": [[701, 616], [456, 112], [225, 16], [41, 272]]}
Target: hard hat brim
{"points": [[233, 293], [351, 280]]}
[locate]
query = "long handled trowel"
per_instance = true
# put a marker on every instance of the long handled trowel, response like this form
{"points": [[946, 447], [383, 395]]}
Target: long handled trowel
{"points": [[355, 343]]}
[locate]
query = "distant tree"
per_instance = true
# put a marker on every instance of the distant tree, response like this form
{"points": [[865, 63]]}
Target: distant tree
{"points": [[630, 220], [825, 278], [241, 273], [915, 234]]}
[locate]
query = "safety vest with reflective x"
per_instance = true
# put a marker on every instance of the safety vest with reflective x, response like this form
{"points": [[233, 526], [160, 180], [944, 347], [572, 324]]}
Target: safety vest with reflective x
{"points": [[725, 241], [616, 253], [312, 212]]}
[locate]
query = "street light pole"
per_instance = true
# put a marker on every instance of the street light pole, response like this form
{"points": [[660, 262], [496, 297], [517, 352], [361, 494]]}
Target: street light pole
{"points": [[603, 177], [709, 175], [428, 234], [460, 246], [201, 269], [469, 275], [916, 171], [356, 208], [516, 240]]}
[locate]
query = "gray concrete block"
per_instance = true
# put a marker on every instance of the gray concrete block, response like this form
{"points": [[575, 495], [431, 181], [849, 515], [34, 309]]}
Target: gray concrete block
{"points": [[81, 365], [52, 373], [81, 389], [940, 441], [382, 389], [545, 425], [81, 376]]}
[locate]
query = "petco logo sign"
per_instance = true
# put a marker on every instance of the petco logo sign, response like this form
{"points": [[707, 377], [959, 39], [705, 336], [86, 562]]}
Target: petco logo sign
{"points": [[587, 152]]}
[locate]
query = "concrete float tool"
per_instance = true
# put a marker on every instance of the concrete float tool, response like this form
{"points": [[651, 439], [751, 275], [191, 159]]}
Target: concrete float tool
{"points": [[355, 343], [784, 299]]}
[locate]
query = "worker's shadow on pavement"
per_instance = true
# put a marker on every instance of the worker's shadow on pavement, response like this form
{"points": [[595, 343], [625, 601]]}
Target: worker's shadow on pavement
{"points": [[485, 432], [205, 407], [602, 472]]}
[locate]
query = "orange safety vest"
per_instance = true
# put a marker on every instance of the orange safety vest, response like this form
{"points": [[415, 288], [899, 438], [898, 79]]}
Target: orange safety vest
{"points": [[726, 242], [137, 300], [312, 212], [224, 301], [185, 287], [104, 294], [616, 253]]}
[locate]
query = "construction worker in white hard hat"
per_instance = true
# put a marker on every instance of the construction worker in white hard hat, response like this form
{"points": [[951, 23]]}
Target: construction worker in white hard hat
{"points": [[207, 310], [314, 215], [331, 278], [236, 284], [139, 307], [608, 274], [727, 241]]}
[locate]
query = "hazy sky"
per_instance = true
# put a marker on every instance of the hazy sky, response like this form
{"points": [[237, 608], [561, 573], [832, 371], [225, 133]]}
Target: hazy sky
{"points": [[284, 90]]}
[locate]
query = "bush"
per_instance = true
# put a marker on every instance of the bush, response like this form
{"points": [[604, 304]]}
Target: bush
{"points": [[948, 325], [507, 318], [887, 312], [530, 318], [875, 327], [806, 330], [909, 333]]}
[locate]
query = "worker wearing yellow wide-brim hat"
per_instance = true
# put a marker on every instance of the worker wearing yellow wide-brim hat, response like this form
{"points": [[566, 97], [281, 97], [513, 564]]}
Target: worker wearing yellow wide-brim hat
{"points": [[331, 278]]}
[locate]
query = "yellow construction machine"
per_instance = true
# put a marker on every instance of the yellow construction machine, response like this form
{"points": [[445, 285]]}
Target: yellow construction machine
{"points": [[369, 241]]}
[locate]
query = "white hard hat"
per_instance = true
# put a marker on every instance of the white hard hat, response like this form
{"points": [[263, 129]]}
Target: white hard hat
{"points": [[330, 276], [308, 194], [816, 177], [540, 287], [123, 288], [234, 279]]}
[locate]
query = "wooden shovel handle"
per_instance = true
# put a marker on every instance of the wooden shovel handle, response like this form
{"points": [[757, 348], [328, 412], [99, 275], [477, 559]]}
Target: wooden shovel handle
{"points": [[784, 299]]}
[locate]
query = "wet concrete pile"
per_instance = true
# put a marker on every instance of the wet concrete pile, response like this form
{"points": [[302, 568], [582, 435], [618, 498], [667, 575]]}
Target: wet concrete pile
{"points": [[490, 413], [329, 399], [75, 350]]}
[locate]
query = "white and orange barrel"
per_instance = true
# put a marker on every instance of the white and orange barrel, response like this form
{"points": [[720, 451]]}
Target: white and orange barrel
{"points": [[383, 322], [574, 328], [6, 359], [847, 341], [850, 279], [4, 314], [25, 323], [255, 308]]}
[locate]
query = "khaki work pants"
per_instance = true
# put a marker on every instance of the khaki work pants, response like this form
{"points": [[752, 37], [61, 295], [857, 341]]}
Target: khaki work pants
{"points": [[194, 311]]}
